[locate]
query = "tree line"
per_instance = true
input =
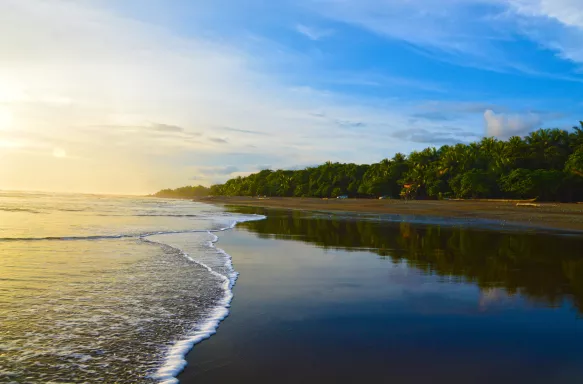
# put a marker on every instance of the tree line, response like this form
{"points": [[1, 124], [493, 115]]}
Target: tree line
{"points": [[547, 164], [188, 192]]}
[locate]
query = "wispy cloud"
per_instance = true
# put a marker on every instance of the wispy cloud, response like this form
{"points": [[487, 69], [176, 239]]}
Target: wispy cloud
{"points": [[435, 116], [217, 170], [349, 124], [218, 140], [212, 174], [567, 12], [167, 128], [247, 131], [556, 25], [377, 80], [313, 33], [474, 33], [450, 26], [421, 135]]}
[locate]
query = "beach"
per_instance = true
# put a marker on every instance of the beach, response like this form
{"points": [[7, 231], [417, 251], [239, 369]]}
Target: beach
{"points": [[133, 289], [341, 298], [108, 289], [558, 216]]}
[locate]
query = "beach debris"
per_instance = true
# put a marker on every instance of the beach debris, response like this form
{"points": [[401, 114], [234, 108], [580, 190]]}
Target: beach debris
{"points": [[528, 205]]}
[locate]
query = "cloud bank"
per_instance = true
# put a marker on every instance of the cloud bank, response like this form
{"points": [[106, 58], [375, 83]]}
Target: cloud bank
{"points": [[145, 102], [116, 93], [504, 126]]}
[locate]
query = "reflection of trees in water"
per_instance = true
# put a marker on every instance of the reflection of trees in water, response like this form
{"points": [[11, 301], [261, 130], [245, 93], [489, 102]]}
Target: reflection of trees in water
{"points": [[542, 267]]}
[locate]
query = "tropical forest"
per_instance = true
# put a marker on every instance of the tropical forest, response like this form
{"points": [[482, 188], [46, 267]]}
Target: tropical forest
{"points": [[546, 165]]}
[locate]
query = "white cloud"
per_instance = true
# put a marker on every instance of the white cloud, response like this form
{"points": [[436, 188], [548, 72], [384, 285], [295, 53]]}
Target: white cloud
{"points": [[555, 24], [470, 32], [138, 99], [314, 33], [214, 171], [452, 26], [155, 106], [504, 126], [568, 12]]}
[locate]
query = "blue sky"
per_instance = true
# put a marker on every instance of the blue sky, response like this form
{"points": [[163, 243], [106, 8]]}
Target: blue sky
{"points": [[198, 91]]}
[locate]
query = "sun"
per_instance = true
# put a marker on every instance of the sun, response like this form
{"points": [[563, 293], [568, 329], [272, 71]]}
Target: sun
{"points": [[59, 153]]}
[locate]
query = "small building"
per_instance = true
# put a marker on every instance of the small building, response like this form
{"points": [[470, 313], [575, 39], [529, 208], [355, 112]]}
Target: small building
{"points": [[407, 191]]}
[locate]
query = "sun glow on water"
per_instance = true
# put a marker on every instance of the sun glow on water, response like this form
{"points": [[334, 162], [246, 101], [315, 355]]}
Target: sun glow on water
{"points": [[86, 288]]}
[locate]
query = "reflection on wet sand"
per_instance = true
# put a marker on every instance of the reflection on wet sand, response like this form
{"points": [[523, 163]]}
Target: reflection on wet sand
{"points": [[545, 268]]}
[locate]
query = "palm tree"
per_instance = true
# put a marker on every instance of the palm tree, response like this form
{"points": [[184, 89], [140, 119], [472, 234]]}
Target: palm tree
{"points": [[576, 137], [575, 163], [422, 171], [549, 148]]}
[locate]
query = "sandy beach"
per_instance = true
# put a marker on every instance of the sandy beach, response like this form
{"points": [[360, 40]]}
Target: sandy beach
{"points": [[543, 215]]}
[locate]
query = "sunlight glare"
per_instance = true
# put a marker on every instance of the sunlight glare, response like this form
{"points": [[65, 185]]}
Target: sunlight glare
{"points": [[10, 144], [6, 119], [59, 153]]}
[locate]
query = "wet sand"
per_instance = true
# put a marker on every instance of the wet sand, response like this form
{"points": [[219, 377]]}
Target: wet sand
{"points": [[329, 299], [544, 215]]}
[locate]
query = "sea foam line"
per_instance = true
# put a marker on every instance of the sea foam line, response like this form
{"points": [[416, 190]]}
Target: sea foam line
{"points": [[176, 355], [98, 237]]}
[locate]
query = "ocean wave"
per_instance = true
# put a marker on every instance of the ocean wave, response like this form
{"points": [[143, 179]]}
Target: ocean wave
{"points": [[72, 210], [173, 360], [96, 237], [150, 215], [127, 235], [176, 355], [166, 215], [8, 209]]}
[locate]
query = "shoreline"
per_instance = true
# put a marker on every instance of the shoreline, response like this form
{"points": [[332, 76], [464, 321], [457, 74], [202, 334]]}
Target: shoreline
{"points": [[175, 361], [555, 216]]}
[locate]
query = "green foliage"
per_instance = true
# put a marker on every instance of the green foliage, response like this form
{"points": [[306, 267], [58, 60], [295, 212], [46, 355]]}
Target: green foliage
{"points": [[574, 164], [518, 183], [541, 183], [326, 180], [547, 164], [184, 192], [475, 183], [382, 179]]}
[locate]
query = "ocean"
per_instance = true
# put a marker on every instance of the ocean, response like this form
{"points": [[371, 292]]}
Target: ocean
{"points": [[108, 289]]}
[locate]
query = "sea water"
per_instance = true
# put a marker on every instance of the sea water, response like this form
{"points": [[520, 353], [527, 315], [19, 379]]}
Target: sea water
{"points": [[108, 289]]}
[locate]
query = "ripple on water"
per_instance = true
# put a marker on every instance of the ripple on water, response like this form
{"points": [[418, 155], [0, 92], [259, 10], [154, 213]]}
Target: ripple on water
{"points": [[99, 311]]}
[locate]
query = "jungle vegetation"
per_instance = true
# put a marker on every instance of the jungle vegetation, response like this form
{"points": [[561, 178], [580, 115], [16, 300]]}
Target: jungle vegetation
{"points": [[547, 164], [184, 192]]}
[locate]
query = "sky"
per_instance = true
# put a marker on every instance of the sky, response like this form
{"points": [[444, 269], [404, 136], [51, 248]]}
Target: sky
{"points": [[132, 96]]}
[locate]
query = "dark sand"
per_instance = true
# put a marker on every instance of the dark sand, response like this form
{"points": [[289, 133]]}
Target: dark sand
{"points": [[547, 215], [336, 300]]}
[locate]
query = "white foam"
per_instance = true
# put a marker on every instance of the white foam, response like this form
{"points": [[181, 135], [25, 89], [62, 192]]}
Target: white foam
{"points": [[98, 237], [175, 361]]}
